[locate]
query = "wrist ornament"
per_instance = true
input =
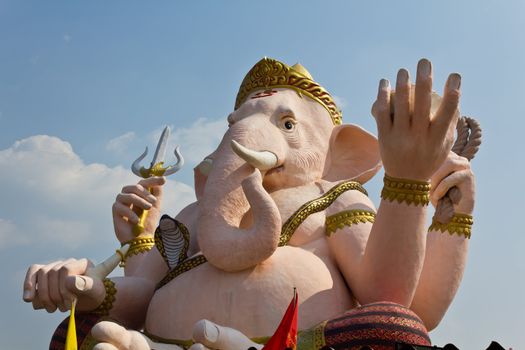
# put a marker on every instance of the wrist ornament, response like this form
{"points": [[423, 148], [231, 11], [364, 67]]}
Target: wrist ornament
{"points": [[106, 305], [136, 246], [461, 224], [404, 190], [140, 245]]}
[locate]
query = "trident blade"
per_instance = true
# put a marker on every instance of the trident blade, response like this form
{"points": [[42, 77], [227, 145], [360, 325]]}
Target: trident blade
{"points": [[160, 152], [135, 167], [180, 162]]}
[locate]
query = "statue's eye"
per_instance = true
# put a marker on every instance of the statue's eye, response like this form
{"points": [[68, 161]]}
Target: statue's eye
{"points": [[288, 123]]}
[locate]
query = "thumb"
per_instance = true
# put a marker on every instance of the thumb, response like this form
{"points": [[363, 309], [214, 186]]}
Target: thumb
{"points": [[90, 292]]}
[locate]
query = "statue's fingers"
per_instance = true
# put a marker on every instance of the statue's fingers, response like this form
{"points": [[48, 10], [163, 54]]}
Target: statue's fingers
{"points": [[448, 111], [381, 107], [402, 113], [133, 199], [447, 183], [124, 211], [105, 346], [54, 285], [140, 191], [30, 283], [42, 288], [198, 346], [423, 95], [153, 181], [451, 164], [154, 184], [121, 338], [112, 333], [214, 336], [37, 303]]}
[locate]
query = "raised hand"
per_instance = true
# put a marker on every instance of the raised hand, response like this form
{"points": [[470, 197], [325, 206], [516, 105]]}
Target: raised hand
{"points": [[131, 201], [414, 141], [55, 285]]}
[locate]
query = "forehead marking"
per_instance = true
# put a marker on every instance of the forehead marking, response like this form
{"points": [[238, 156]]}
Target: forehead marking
{"points": [[264, 93]]}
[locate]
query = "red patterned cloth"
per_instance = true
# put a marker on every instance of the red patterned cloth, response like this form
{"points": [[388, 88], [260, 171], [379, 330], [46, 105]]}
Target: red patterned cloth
{"points": [[378, 325], [84, 322]]}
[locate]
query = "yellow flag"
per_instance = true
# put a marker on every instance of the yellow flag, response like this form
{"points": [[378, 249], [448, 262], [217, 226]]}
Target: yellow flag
{"points": [[71, 336]]}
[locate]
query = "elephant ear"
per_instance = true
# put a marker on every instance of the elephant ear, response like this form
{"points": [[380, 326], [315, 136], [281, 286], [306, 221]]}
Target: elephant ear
{"points": [[200, 176], [353, 155]]}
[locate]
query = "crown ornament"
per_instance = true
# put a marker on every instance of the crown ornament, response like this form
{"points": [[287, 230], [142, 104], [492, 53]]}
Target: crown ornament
{"points": [[269, 73]]}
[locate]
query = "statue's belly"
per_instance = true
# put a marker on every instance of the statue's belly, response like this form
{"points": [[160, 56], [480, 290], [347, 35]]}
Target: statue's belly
{"points": [[252, 301]]}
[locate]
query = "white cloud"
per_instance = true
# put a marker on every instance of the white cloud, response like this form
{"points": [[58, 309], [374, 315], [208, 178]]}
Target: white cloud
{"points": [[120, 143], [51, 195], [55, 206], [196, 141], [67, 38]]}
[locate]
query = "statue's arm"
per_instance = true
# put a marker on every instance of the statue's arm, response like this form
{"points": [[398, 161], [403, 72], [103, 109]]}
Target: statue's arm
{"points": [[55, 286], [446, 252], [415, 136], [381, 261], [348, 224], [132, 298]]}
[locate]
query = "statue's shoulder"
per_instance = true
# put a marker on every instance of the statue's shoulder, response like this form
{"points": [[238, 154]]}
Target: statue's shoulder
{"points": [[346, 195]]}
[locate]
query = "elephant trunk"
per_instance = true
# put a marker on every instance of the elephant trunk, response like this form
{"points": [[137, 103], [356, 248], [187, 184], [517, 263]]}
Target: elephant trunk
{"points": [[239, 225]]}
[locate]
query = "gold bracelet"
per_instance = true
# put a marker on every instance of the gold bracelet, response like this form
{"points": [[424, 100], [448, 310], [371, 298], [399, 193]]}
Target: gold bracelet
{"points": [[408, 191], [106, 305], [140, 245], [461, 224], [348, 218]]}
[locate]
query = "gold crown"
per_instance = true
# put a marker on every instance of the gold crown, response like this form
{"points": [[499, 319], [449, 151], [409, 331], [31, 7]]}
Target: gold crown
{"points": [[269, 73]]}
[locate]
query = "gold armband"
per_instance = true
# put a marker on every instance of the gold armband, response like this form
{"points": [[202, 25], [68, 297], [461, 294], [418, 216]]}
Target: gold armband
{"points": [[109, 299], [408, 191], [140, 245], [348, 218], [461, 224]]}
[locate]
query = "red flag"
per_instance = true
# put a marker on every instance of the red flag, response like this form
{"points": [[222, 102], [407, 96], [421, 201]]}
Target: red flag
{"points": [[285, 337]]}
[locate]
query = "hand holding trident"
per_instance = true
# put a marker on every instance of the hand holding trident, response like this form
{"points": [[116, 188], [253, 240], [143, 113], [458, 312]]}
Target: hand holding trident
{"points": [[156, 169]]}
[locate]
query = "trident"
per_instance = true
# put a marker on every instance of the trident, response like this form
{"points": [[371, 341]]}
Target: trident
{"points": [[156, 169]]}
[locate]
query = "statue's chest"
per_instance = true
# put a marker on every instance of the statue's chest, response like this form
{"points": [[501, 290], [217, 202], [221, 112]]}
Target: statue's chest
{"points": [[302, 223], [303, 210]]}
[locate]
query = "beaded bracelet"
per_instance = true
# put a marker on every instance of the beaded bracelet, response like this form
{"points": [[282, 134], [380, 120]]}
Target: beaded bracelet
{"points": [[106, 305], [404, 190], [461, 224]]}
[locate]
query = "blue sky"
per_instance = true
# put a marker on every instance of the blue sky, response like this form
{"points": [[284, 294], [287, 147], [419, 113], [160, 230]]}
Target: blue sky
{"points": [[84, 87]]}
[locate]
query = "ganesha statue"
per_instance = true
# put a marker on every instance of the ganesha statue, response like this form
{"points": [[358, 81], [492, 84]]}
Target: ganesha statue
{"points": [[280, 205]]}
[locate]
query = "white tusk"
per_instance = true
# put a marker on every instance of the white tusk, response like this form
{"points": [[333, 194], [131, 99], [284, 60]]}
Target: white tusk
{"points": [[262, 160], [103, 269], [205, 166]]}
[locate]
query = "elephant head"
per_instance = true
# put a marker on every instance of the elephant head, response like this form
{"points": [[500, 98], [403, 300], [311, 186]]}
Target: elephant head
{"points": [[285, 132]]}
